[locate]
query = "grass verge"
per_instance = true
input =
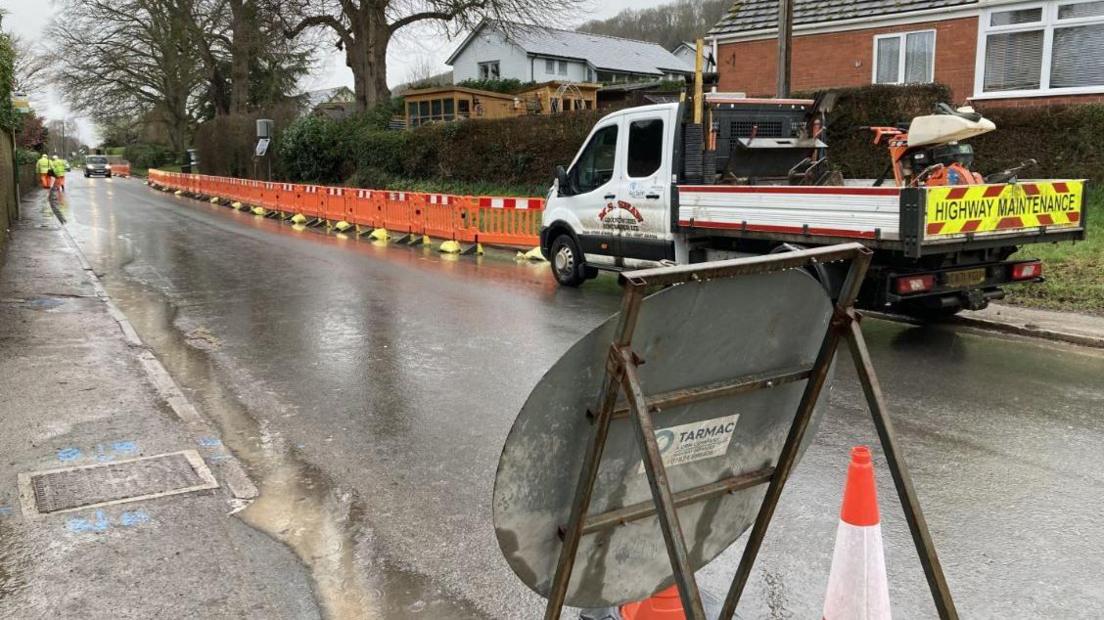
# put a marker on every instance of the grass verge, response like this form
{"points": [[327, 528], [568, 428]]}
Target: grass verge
{"points": [[1074, 270]]}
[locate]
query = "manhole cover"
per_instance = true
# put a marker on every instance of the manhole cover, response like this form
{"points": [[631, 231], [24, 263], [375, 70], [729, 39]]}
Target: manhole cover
{"points": [[72, 488]]}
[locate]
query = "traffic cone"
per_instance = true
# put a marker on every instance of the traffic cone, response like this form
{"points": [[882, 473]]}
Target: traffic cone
{"points": [[665, 605], [857, 586]]}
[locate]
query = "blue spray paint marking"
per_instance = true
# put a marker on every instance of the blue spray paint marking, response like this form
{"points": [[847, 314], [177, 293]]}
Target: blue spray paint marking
{"points": [[5, 511], [101, 522], [218, 457], [134, 517], [104, 452], [124, 447], [79, 525], [209, 442], [68, 454]]}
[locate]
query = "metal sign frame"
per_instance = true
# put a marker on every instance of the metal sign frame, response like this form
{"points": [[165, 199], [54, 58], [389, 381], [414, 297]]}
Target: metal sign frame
{"points": [[621, 378]]}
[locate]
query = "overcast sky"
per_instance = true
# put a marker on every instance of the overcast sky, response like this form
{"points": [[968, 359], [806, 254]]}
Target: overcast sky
{"points": [[413, 46]]}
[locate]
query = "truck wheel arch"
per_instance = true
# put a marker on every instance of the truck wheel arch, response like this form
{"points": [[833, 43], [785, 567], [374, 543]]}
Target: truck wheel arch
{"points": [[555, 229]]}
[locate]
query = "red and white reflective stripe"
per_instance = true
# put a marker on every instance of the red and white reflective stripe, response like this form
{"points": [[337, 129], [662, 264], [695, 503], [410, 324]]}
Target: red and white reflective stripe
{"points": [[490, 202], [400, 196], [335, 191], [440, 199], [310, 189], [364, 193]]}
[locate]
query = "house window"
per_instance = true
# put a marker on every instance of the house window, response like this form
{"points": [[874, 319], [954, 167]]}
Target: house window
{"points": [[589, 74], [488, 70], [562, 68], [549, 66], [1040, 49], [464, 108], [904, 58]]}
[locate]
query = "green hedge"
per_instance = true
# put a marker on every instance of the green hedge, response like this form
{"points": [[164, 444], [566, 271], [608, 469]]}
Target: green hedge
{"points": [[1064, 139], [149, 155], [505, 152]]}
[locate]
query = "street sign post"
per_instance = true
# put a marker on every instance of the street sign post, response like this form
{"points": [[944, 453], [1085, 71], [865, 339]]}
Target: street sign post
{"points": [[721, 357]]}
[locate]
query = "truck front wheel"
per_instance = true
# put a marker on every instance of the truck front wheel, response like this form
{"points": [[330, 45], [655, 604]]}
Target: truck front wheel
{"points": [[567, 262]]}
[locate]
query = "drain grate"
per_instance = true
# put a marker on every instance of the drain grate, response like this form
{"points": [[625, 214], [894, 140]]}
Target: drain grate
{"points": [[72, 488]]}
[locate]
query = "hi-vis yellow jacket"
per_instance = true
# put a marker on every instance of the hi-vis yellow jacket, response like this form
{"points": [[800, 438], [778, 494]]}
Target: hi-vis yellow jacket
{"points": [[43, 165]]}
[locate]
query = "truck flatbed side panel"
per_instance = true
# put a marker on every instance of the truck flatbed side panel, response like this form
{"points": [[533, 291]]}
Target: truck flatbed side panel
{"points": [[848, 212]]}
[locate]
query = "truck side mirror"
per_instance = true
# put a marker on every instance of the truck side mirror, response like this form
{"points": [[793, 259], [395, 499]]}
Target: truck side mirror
{"points": [[563, 183]]}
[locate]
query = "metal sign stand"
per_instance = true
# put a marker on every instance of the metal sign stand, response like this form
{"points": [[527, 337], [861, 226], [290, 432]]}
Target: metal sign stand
{"points": [[621, 377]]}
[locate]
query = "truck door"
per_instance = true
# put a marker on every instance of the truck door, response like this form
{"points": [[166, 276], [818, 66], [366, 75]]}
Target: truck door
{"points": [[641, 210], [594, 180]]}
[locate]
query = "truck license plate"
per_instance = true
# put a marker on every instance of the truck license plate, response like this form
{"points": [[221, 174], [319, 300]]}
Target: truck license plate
{"points": [[968, 277]]}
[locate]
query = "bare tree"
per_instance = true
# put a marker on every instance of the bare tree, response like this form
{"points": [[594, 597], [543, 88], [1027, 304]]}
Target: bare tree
{"points": [[30, 70], [365, 27], [238, 39], [129, 58]]}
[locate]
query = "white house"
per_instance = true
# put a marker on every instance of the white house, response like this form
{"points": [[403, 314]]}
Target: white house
{"points": [[495, 50]]}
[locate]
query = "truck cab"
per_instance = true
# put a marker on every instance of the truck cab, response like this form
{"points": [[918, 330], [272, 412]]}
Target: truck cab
{"points": [[612, 207]]}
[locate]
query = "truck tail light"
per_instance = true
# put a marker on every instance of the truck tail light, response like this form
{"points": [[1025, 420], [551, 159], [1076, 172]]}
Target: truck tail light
{"points": [[1027, 271], [907, 285]]}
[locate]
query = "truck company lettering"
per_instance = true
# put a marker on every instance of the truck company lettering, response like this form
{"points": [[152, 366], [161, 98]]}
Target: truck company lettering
{"points": [[1005, 206], [973, 209]]}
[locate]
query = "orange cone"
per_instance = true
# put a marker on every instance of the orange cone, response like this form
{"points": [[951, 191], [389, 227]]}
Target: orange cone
{"points": [[665, 605], [857, 586]]}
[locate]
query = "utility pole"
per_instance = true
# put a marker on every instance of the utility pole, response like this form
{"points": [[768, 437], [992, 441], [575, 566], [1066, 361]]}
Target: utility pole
{"points": [[785, 46]]}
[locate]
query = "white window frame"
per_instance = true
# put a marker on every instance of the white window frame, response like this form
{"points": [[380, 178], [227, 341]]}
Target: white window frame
{"points": [[1048, 24], [561, 64], [902, 36], [488, 64], [547, 70]]}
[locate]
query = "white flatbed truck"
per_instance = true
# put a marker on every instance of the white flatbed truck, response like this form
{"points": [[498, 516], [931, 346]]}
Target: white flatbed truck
{"points": [[624, 203]]}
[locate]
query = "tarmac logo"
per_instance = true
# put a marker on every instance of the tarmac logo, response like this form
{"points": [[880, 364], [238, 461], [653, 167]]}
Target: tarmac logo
{"points": [[692, 442]]}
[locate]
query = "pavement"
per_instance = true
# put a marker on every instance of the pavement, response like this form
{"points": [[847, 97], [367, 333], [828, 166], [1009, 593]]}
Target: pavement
{"points": [[77, 388], [1082, 329], [367, 390]]}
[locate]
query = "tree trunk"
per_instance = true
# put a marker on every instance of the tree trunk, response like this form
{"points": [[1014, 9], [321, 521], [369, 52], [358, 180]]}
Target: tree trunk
{"points": [[244, 36], [367, 57]]}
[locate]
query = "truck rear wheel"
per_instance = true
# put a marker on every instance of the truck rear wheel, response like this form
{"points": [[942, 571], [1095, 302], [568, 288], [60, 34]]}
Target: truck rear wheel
{"points": [[568, 266]]}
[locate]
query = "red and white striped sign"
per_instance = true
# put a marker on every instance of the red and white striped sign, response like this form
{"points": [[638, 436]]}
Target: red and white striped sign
{"points": [[440, 199], [494, 202]]}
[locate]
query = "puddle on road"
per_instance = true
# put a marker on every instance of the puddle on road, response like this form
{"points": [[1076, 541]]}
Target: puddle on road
{"points": [[298, 504]]}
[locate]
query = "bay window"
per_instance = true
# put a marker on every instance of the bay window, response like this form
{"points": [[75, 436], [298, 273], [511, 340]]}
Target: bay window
{"points": [[1043, 48]]}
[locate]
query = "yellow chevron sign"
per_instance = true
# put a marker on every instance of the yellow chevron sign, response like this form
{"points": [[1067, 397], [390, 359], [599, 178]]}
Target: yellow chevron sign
{"points": [[960, 209]]}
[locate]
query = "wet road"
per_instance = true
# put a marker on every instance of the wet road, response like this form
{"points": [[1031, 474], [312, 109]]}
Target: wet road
{"points": [[368, 389]]}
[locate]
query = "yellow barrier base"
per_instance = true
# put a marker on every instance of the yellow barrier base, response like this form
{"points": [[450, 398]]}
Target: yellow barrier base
{"points": [[236, 205], [379, 234], [178, 193], [449, 247], [298, 218], [534, 255], [214, 200], [343, 226], [259, 211]]}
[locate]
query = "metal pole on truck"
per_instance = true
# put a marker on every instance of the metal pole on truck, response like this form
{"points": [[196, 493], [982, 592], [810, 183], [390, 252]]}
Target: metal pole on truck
{"points": [[785, 46]]}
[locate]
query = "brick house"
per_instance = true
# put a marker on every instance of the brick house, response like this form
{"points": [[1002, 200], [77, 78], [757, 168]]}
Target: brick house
{"points": [[992, 52]]}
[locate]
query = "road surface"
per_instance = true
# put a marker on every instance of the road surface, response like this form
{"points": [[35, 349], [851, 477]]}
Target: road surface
{"points": [[368, 390]]}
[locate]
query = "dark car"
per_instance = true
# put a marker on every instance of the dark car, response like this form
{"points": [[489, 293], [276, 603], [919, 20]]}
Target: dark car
{"points": [[96, 165]]}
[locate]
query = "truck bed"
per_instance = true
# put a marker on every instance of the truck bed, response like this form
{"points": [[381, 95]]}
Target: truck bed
{"points": [[915, 221]]}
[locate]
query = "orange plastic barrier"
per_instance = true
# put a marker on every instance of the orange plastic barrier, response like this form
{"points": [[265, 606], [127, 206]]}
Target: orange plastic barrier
{"points": [[509, 221], [493, 220]]}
